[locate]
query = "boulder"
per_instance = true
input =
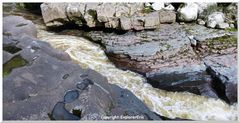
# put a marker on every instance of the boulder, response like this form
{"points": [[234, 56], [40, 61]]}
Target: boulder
{"points": [[105, 15], [224, 69], [214, 19], [157, 5], [191, 78], [206, 8], [125, 23], [152, 21], [54, 14], [169, 7], [138, 23], [222, 25], [166, 16], [200, 22], [187, 12]]}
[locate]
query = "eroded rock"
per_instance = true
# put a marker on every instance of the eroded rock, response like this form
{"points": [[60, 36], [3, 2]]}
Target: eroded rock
{"points": [[224, 68], [122, 16], [42, 84]]}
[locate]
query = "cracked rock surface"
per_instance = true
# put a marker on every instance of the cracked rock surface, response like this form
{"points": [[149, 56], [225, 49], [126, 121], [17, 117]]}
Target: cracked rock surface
{"points": [[42, 83]]}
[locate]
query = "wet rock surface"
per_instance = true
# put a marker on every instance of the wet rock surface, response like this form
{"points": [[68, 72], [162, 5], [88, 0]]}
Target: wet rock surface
{"points": [[224, 69], [42, 84], [173, 57], [191, 78], [147, 50], [163, 55]]}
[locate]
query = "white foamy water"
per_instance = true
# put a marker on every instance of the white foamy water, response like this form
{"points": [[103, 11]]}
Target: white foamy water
{"points": [[169, 104]]}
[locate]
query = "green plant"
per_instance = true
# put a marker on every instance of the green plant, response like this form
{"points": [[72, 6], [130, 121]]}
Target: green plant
{"points": [[147, 9]]}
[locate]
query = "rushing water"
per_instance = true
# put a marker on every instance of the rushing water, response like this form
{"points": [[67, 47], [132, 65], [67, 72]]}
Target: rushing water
{"points": [[168, 104]]}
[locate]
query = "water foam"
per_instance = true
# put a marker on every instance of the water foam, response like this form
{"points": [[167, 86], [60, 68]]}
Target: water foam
{"points": [[169, 104]]}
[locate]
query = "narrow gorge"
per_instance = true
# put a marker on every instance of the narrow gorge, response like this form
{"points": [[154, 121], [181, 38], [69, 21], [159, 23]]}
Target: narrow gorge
{"points": [[113, 59]]}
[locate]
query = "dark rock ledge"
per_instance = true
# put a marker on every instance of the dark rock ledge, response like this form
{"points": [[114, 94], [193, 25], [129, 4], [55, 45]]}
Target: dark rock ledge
{"points": [[42, 83]]}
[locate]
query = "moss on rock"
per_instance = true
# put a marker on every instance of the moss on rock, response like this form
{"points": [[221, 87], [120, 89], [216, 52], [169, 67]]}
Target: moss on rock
{"points": [[15, 62]]}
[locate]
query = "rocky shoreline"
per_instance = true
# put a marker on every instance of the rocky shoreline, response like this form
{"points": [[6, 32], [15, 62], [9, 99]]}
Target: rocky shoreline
{"points": [[48, 78], [174, 49]]}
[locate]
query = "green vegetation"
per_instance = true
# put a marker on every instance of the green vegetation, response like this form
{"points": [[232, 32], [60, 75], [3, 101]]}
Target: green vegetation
{"points": [[232, 29], [168, 46], [210, 9], [93, 13], [222, 42], [15, 62], [147, 9]]}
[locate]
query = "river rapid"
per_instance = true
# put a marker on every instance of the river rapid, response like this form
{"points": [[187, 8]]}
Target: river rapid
{"points": [[169, 104]]}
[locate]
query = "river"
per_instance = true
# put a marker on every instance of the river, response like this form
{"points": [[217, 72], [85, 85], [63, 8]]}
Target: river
{"points": [[169, 104]]}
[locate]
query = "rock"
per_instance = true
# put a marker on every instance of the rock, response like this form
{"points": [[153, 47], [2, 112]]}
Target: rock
{"points": [[188, 12], [202, 33], [125, 23], [206, 8], [169, 56], [152, 21], [211, 23], [106, 15], [128, 104], [169, 7], [214, 19], [200, 22], [222, 25], [54, 14], [236, 23], [6, 56], [41, 83], [231, 12], [90, 14], [138, 23], [157, 6], [193, 41], [224, 69], [17, 26], [167, 16], [231, 26], [212, 41], [148, 21], [191, 78], [181, 23], [146, 50]]}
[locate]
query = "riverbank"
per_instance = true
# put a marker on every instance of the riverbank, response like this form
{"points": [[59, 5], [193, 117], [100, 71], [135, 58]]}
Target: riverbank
{"points": [[87, 54]]}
